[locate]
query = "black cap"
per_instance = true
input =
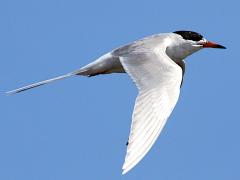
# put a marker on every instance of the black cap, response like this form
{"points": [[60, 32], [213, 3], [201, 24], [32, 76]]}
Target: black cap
{"points": [[190, 35]]}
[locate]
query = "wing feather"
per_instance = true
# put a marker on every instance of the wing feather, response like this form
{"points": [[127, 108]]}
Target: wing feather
{"points": [[158, 80]]}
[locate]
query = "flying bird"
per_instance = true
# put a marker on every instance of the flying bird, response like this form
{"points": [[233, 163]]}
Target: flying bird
{"points": [[156, 66]]}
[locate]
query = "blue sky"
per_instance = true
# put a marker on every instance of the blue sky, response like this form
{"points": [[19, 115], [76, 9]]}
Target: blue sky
{"points": [[77, 128]]}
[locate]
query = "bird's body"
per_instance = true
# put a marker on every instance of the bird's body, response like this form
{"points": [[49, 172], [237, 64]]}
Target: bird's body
{"points": [[156, 65], [110, 62]]}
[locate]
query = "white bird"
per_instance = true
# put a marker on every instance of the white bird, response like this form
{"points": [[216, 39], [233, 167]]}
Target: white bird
{"points": [[156, 65]]}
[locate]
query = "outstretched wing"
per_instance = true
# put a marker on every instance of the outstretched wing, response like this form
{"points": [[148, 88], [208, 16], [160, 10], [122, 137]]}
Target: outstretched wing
{"points": [[158, 80]]}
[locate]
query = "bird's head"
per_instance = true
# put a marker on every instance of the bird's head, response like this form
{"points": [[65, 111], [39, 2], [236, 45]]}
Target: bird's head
{"points": [[185, 43]]}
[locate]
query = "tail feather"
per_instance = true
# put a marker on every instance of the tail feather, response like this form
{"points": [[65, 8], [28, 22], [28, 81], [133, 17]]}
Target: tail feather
{"points": [[103, 65], [38, 84]]}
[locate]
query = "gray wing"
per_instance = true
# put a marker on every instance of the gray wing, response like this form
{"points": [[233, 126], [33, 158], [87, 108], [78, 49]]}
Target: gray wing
{"points": [[158, 80]]}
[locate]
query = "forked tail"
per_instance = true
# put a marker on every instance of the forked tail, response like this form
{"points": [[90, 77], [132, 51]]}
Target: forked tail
{"points": [[103, 65], [38, 84]]}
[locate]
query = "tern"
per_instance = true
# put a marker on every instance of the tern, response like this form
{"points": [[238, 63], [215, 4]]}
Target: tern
{"points": [[156, 66]]}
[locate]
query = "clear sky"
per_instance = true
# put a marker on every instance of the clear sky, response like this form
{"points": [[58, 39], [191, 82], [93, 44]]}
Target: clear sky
{"points": [[77, 128]]}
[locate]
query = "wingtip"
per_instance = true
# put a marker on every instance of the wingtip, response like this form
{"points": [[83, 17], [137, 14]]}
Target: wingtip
{"points": [[125, 168], [124, 171]]}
